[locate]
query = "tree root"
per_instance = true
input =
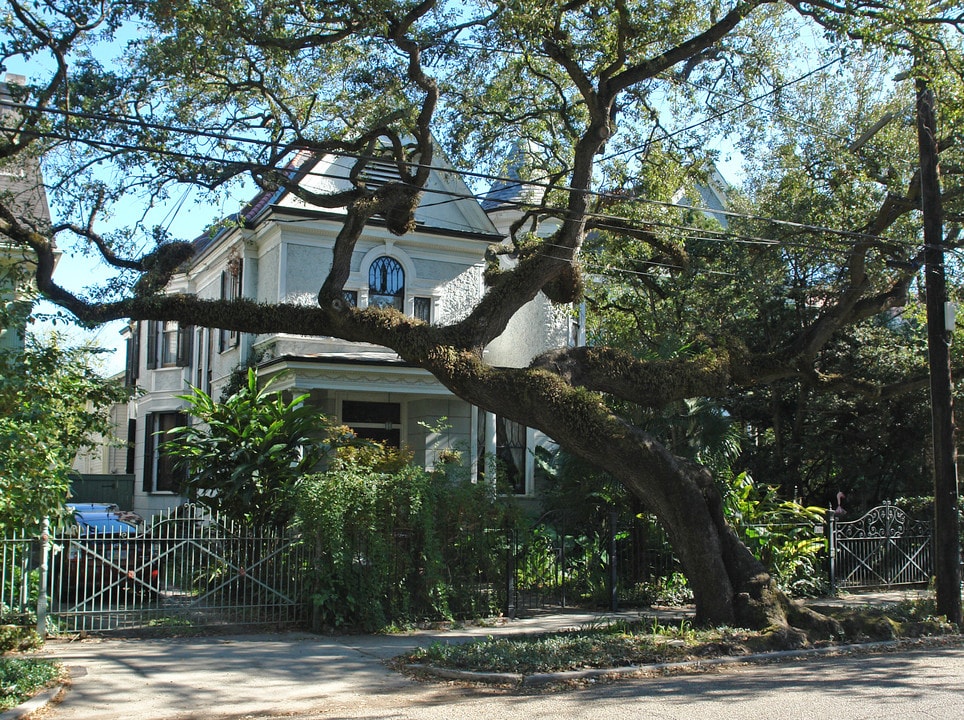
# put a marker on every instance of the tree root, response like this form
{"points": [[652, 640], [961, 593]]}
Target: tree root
{"points": [[786, 624]]}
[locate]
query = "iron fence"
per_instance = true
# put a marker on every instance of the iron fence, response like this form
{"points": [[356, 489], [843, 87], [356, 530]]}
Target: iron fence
{"points": [[19, 580], [188, 568], [884, 548], [185, 568]]}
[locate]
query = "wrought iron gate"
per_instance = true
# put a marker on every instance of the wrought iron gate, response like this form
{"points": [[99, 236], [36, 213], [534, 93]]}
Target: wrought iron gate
{"points": [[185, 569], [884, 548]]}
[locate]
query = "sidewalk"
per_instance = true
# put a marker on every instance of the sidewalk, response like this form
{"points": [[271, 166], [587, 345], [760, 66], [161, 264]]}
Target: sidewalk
{"points": [[277, 674]]}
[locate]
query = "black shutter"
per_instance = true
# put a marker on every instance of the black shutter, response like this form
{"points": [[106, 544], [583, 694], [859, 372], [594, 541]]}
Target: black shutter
{"points": [[133, 354], [151, 344], [225, 290], [149, 453], [185, 336], [131, 443]]}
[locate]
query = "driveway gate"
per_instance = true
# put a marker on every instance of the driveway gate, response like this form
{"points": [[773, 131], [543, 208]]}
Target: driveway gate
{"points": [[186, 568], [882, 549]]}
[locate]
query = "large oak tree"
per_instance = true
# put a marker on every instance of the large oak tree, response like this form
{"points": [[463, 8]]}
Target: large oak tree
{"points": [[609, 96]]}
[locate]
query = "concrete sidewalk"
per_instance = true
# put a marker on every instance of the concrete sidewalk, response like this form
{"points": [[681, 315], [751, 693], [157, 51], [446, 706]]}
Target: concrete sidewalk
{"points": [[240, 675], [279, 674]]}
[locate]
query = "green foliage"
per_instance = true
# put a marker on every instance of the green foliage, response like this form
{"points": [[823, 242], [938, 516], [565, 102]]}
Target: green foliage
{"points": [[246, 455], [21, 678], [52, 404], [576, 493], [398, 545], [17, 624], [781, 533], [17, 638], [621, 643], [671, 589], [603, 644]]}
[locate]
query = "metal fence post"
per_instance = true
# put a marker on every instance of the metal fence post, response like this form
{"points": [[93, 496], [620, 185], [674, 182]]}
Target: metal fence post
{"points": [[613, 570], [42, 579], [510, 599], [832, 552]]}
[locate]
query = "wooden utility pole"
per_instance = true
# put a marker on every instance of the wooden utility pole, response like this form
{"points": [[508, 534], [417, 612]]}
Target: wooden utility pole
{"points": [[947, 549]]}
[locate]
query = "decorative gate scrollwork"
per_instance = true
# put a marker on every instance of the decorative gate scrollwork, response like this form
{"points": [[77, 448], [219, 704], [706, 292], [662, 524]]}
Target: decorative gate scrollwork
{"points": [[883, 548]]}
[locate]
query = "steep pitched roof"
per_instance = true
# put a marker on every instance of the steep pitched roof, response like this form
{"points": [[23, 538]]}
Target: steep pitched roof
{"points": [[21, 182], [447, 204], [515, 188]]}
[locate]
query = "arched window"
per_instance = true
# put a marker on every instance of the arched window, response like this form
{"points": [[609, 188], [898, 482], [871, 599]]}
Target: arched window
{"points": [[386, 283]]}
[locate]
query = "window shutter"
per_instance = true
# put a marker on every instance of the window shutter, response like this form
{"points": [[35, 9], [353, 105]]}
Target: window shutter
{"points": [[238, 284], [133, 355], [180, 474], [131, 443], [185, 334], [149, 453], [151, 344]]}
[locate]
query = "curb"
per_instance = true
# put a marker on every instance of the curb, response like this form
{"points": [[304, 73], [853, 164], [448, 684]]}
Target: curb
{"points": [[565, 676], [38, 702]]}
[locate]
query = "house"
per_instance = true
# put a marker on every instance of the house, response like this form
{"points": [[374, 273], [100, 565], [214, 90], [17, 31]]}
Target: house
{"points": [[279, 251], [22, 190]]}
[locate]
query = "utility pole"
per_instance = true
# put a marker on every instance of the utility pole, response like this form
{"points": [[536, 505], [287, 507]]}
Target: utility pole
{"points": [[947, 549]]}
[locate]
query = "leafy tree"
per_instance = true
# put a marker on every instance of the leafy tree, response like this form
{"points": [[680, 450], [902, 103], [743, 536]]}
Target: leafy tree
{"points": [[245, 456], [53, 403], [214, 92]]}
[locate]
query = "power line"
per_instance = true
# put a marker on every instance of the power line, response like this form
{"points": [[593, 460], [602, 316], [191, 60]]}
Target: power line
{"points": [[718, 115], [114, 145]]}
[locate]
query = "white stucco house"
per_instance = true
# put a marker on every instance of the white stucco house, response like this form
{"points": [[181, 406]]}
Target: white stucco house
{"points": [[22, 190], [280, 251]]}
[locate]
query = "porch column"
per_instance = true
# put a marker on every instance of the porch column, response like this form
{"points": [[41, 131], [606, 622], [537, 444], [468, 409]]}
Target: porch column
{"points": [[490, 472]]}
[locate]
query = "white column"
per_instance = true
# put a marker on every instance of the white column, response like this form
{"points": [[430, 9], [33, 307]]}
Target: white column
{"points": [[490, 473]]}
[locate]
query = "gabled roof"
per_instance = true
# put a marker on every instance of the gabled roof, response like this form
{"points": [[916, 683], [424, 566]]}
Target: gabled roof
{"points": [[447, 205]]}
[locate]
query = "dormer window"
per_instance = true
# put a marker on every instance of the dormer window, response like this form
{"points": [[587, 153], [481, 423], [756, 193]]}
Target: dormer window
{"points": [[386, 284]]}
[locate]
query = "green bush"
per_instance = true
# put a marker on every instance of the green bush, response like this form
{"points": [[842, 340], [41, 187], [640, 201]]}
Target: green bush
{"points": [[17, 624], [393, 543], [17, 638]]}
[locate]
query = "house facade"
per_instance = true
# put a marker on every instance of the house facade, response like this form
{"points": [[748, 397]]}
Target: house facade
{"points": [[279, 251], [22, 190]]}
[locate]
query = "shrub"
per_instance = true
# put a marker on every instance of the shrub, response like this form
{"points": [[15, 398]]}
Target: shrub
{"points": [[20, 678], [396, 545], [780, 533]]}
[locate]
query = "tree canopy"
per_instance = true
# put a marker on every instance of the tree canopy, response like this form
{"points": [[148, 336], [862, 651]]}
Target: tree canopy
{"points": [[622, 102]]}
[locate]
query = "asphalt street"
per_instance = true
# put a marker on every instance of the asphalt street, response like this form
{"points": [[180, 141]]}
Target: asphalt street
{"points": [[310, 676]]}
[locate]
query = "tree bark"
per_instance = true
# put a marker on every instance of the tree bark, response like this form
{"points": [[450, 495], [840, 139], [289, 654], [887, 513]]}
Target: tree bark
{"points": [[730, 586]]}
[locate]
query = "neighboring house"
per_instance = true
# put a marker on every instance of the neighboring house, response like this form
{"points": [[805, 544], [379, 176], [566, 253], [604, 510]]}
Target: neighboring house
{"points": [[100, 472], [712, 196], [279, 251], [107, 455], [21, 189]]}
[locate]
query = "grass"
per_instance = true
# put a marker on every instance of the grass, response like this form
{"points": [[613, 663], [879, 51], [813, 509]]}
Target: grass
{"points": [[612, 645], [624, 643], [21, 678]]}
